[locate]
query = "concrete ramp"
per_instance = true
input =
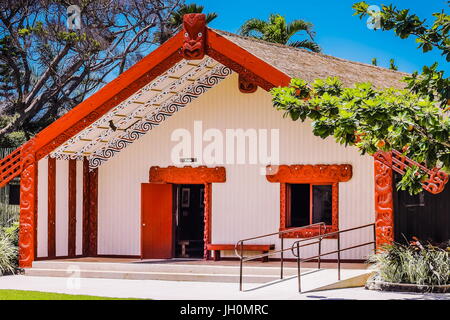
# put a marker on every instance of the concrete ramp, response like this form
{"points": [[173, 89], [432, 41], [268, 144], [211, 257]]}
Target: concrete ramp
{"points": [[317, 280]]}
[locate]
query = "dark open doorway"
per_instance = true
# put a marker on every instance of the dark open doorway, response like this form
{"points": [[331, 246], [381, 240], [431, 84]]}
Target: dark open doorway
{"points": [[425, 216], [189, 220]]}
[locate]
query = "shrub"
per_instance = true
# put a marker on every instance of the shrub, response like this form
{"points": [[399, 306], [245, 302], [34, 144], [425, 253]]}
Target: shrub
{"points": [[8, 254], [413, 263], [13, 233]]}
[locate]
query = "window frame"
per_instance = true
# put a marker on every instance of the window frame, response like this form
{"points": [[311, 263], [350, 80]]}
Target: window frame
{"points": [[329, 174], [285, 211]]}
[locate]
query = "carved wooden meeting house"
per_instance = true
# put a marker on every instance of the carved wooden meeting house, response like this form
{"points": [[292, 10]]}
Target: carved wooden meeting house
{"points": [[101, 180]]}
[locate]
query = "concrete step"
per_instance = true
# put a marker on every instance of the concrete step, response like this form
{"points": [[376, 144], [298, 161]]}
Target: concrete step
{"points": [[311, 279], [160, 267], [136, 275]]}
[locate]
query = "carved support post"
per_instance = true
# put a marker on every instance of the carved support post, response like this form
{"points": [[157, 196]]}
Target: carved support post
{"points": [[93, 212], [207, 219], [90, 210], [384, 205], [28, 205]]}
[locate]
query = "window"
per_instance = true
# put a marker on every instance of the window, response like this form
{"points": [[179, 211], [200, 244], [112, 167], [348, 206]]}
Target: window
{"points": [[309, 204], [309, 194]]}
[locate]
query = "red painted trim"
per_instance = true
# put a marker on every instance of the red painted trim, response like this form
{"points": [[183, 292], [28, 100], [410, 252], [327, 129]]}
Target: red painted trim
{"points": [[86, 201], [93, 212], [72, 205], [314, 175], [193, 175], [384, 204], [28, 209], [51, 211]]}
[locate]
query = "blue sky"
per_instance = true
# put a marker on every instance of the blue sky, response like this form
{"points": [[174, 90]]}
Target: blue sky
{"points": [[338, 32]]}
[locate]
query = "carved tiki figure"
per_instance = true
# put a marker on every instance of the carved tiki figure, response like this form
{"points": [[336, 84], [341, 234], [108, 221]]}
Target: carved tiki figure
{"points": [[246, 85], [194, 27]]}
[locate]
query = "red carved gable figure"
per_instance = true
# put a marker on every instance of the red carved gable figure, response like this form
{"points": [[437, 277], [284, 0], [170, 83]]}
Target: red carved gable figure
{"points": [[194, 26]]}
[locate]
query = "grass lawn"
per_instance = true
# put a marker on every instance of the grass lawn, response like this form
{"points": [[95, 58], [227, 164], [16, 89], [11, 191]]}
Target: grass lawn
{"points": [[37, 295]]}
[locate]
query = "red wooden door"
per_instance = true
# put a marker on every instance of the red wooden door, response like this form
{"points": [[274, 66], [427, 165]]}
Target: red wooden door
{"points": [[156, 221]]}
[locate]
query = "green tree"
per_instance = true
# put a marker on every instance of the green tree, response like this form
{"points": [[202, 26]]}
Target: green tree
{"points": [[392, 65], [414, 121], [277, 30], [47, 68], [374, 61], [176, 19], [435, 36]]}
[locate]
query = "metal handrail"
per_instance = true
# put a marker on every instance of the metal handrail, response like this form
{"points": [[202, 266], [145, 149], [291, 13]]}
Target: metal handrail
{"points": [[240, 244], [296, 245]]}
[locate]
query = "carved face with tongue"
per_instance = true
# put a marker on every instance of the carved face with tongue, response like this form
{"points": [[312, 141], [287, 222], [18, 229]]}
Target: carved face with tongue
{"points": [[194, 27]]}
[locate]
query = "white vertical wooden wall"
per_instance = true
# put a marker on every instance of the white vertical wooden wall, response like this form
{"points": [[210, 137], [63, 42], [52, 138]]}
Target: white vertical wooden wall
{"points": [[62, 207], [42, 213], [79, 206]]}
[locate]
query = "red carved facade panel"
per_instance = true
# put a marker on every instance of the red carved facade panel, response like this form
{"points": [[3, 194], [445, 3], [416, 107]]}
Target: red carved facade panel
{"points": [[72, 206], [188, 174], [310, 174], [51, 220], [384, 204], [194, 28], [28, 206]]}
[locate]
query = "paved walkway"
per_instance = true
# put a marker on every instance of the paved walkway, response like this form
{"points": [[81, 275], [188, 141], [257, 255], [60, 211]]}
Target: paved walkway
{"points": [[155, 289]]}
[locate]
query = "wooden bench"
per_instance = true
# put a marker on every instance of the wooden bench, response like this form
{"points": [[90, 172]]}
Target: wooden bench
{"points": [[264, 248]]}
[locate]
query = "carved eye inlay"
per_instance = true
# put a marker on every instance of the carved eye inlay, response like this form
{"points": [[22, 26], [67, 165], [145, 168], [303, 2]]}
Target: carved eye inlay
{"points": [[200, 34], [186, 35]]}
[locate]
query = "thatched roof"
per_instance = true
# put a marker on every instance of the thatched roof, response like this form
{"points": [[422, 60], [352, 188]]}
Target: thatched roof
{"points": [[300, 63]]}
